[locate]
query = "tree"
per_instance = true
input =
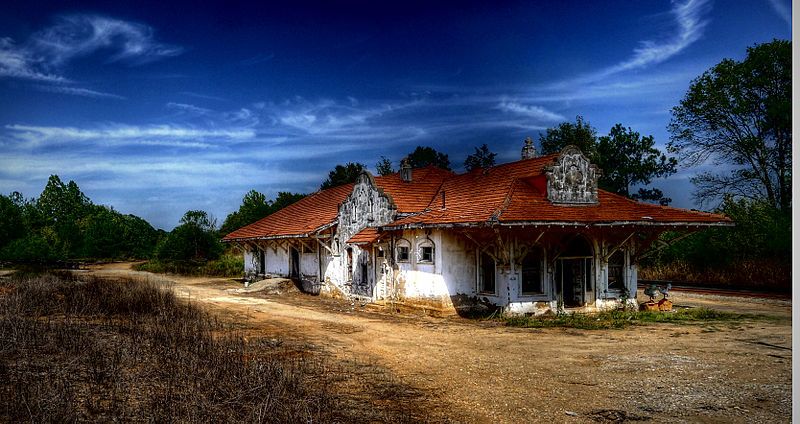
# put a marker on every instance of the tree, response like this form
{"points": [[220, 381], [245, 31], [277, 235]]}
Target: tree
{"points": [[424, 156], [628, 159], [343, 175], [256, 206], [580, 134], [12, 225], [195, 238], [284, 199], [483, 158], [384, 166], [737, 116]]}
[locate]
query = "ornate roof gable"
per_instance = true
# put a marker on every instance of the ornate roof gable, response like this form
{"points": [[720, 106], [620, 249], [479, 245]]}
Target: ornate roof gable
{"points": [[572, 179]]}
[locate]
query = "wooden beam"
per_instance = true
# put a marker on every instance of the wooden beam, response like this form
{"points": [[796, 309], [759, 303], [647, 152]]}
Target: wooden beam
{"points": [[617, 247], [323, 245]]}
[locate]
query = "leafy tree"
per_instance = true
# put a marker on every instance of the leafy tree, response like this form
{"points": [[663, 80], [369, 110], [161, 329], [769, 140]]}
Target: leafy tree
{"points": [[195, 238], [284, 199], [62, 206], [627, 159], [343, 175], [256, 206], [737, 116], [483, 158], [424, 156], [12, 225], [384, 166], [580, 134]]}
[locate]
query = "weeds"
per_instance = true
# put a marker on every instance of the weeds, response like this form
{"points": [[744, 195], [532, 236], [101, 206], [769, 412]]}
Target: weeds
{"points": [[762, 274], [100, 350], [622, 319]]}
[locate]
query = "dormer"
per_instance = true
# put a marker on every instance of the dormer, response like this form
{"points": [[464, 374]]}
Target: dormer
{"points": [[572, 179]]}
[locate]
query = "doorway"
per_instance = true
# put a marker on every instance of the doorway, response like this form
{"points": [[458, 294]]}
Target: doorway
{"points": [[573, 273], [294, 263]]}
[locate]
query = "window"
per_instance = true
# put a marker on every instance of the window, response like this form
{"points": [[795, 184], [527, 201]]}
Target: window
{"points": [[403, 251], [381, 253], [616, 278], [486, 274], [425, 251], [532, 273], [426, 254]]}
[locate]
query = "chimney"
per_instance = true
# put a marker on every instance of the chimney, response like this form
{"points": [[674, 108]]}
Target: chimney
{"points": [[529, 150], [405, 170]]}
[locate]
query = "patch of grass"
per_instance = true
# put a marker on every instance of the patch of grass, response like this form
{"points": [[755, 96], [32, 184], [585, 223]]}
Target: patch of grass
{"points": [[120, 350], [622, 319], [226, 266], [755, 274]]}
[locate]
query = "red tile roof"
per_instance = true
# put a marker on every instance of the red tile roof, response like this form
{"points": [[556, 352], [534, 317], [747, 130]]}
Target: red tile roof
{"points": [[512, 193], [366, 236], [298, 219], [515, 193], [415, 195]]}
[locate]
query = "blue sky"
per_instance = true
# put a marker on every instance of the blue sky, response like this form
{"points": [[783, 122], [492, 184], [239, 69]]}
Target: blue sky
{"points": [[158, 108]]}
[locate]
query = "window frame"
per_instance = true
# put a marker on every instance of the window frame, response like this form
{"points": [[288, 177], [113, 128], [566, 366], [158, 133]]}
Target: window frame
{"points": [[622, 275], [421, 246], [402, 244]]}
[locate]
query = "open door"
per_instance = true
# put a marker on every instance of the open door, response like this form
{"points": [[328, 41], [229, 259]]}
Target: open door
{"points": [[573, 276], [294, 263]]}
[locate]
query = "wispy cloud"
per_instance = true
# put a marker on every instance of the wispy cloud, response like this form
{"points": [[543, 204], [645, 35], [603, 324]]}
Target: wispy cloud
{"points": [[16, 62], [532, 111], [115, 133], [42, 57], [80, 35], [259, 58], [77, 91], [783, 10], [185, 107]]}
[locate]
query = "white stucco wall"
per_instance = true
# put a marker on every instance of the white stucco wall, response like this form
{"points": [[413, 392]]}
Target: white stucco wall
{"points": [[277, 260]]}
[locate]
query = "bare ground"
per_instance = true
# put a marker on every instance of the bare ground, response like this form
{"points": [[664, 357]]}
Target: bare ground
{"points": [[480, 371]]}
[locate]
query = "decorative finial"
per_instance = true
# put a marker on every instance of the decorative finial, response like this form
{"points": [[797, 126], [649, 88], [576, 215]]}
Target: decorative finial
{"points": [[529, 150]]}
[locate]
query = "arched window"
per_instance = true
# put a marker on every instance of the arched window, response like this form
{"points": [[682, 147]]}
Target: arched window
{"points": [[403, 251], [616, 274], [425, 252], [532, 265]]}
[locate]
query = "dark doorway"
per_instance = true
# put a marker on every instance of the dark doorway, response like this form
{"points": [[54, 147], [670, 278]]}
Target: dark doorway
{"points": [[262, 260], [573, 276], [294, 263], [487, 271]]}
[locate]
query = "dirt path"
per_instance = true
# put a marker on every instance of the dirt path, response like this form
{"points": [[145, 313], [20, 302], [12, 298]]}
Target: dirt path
{"points": [[484, 372]]}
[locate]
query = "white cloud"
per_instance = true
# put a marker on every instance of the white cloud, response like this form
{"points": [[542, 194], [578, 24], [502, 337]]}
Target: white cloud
{"points": [[44, 54], [783, 10], [79, 35], [531, 111], [163, 134], [77, 91]]}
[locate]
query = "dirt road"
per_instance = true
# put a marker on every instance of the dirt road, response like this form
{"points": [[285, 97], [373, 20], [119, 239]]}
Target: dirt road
{"points": [[480, 371]]}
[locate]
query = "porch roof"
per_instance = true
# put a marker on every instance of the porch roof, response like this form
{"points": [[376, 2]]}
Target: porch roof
{"points": [[366, 236]]}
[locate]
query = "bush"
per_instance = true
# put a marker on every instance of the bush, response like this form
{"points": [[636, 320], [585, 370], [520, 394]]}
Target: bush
{"points": [[228, 265]]}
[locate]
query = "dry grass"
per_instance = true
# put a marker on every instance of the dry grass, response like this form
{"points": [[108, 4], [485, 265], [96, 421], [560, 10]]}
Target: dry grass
{"points": [[119, 350], [763, 274]]}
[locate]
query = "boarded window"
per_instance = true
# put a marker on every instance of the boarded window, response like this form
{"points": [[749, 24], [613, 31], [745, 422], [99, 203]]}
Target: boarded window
{"points": [[486, 273], [532, 283], [616, 278]]}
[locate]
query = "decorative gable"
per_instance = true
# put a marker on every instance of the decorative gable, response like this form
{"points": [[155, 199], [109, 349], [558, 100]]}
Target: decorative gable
{"points": [[366, 206], [572, 179]]}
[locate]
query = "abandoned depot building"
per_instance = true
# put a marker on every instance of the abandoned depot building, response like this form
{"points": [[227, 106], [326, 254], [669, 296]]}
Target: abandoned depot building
{"points": [[528, 236]]}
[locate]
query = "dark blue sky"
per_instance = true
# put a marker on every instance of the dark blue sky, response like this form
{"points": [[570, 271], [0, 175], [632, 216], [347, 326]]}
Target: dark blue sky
{"points": [[164, 107]]}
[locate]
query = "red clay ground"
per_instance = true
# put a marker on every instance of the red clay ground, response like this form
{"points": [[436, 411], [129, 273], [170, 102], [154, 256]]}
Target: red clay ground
{"points": [[481, 371]]}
